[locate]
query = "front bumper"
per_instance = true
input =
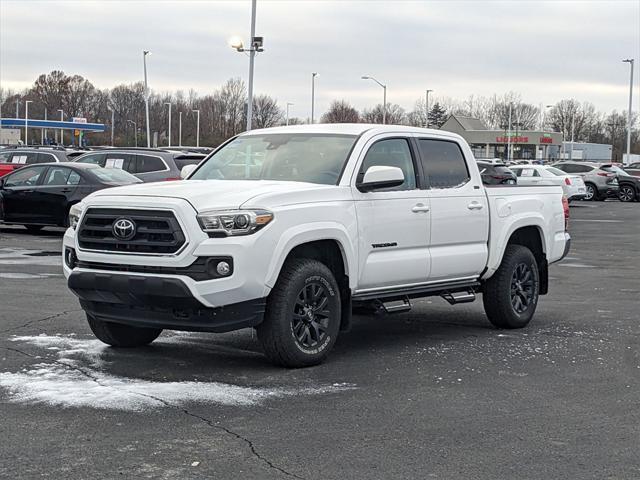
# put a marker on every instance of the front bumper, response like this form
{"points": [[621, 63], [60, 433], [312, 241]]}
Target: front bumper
{"points": [[158, 302]]}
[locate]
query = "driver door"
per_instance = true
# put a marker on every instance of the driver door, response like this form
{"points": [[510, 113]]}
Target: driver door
{"points": [[393, 223]]}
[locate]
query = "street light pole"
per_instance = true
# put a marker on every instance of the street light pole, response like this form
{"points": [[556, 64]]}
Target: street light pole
{"points": [[313, 95], [169, 103], [135, 131], [113, 124], [509, 136], [62, 129], [42, 131], [180, 129], [197, 128], [630, 62], [384, 97], [146, 95], [26, 121], [573, 128], [288, 105], [427, 108]]}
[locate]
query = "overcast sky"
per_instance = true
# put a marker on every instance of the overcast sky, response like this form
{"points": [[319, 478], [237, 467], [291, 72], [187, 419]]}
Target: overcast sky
{"points": [[546, 50]]}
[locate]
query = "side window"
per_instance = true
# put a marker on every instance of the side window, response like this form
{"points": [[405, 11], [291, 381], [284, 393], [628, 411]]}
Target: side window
{"points": [[19, 157], [95, 159], [123, 161], [527, 172], [74, 178], [56, 176], [4, 157], [394, 152], [147, 163], [443, 163], [43, 158], [25, 177]]}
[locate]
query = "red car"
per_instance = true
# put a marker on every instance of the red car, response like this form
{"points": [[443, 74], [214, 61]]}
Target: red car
{"points": [[13, 158]]}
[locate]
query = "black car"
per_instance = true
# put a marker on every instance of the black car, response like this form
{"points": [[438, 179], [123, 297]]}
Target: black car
{"points": [[496, 174], [629, 186], [39, 195]]}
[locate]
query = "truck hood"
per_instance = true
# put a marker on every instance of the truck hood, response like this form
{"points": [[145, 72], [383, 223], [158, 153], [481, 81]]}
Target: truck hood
{"points": [[215, 194]]}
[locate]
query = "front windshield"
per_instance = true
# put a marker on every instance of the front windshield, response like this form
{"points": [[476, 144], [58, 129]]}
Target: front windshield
{"points": [[298, 157]]}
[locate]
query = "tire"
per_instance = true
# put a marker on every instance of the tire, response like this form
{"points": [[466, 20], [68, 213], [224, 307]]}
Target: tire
{"points": [[627, 193], [33, 228], [510, 298], [119, 335], [302, 317], [591, 192]]}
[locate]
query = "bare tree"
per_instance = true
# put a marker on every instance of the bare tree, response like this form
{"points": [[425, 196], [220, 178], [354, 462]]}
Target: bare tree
{"points": [[395, 115], [266, 112], [341, 111]]}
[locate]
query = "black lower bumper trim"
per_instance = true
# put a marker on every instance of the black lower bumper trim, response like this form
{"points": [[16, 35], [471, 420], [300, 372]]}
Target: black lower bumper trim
{"points": [[159, 303]]}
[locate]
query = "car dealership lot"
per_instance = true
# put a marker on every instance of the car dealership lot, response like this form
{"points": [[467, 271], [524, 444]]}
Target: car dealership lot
{"points": [[435, 393]]}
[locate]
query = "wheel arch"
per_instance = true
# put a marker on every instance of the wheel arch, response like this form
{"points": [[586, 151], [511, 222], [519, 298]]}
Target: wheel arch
{"points": [[532, 237]]}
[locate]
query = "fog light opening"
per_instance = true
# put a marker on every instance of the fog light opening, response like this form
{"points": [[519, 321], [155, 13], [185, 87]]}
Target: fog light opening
{"points": [[223, 268]]}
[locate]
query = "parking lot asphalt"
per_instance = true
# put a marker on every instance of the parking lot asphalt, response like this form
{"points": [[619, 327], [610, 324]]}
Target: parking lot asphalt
{"points": [[434, 393]]}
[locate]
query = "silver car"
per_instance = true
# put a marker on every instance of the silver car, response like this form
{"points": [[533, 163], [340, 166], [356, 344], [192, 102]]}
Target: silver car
{"points": [[600, 182]]}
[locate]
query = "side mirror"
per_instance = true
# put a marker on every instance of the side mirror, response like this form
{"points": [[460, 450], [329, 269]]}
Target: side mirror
{"points": [[187, 170], [378, 177]]}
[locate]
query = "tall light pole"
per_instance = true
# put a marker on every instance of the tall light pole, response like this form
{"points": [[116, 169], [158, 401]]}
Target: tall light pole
{"points": [[42, 131], [197, 128], [62, 129], [112, 122], [26, 121], [288, 105], [630, 62], [427, 107], [573, 128], [180, 129], [509, 135], [384, 98], [135, 131], [313, 95], [146, 95], [169, 103], [256, 46]]}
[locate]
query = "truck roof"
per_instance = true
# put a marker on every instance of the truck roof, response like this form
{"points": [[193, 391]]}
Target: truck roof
{"points": [[345, 129]]}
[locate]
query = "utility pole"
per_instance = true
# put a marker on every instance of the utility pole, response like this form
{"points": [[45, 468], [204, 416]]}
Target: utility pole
{"points": [[313, 95], [573, 127], [62, 129], [112, 123], [427, 108], [197, 128], [169, 103], [26, 121], [180, 130], [630, 62], [146, 95], [509, 136]]}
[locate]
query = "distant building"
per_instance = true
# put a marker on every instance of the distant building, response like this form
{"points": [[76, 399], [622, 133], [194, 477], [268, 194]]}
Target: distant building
{"points": [[9, 136], [485, 143], [593, 152]]}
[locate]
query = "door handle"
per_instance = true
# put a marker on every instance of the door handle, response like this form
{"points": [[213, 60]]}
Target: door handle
{"points": [[474, 206], [420, 208], [65, 190]]}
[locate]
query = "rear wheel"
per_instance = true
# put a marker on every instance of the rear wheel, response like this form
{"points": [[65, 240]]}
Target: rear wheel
{"points": [[33, 228], [511, 295], [627, 193], [302, 318], [591, 192], [119, 335]]}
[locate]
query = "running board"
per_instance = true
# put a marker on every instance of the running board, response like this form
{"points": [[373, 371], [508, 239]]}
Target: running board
{"points": [[397, 306], [459, 297]]}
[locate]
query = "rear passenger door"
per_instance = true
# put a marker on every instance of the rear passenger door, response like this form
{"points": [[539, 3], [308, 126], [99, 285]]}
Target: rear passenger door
{"points": [[459, 214]]}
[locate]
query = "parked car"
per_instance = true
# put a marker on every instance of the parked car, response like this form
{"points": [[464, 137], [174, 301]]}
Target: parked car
{"points": [[39, 195], [633, 169], [149, 165], [324, 217], [599, 183], [496, 174], [13, 158], [538, 175], [628, 184]]}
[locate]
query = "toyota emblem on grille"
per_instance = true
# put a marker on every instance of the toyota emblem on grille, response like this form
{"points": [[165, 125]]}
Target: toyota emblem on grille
{"points": [[124, 229]]}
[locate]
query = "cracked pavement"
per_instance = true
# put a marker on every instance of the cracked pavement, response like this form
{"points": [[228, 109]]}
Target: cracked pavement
{"points": [[440, 394]]}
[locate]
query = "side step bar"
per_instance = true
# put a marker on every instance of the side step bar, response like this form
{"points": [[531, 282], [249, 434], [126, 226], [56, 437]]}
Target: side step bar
{"points": [[459, 297], [397, 306]]}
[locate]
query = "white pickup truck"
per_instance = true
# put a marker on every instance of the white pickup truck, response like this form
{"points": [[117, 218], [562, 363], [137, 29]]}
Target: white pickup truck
{"points": [[288, 229]]}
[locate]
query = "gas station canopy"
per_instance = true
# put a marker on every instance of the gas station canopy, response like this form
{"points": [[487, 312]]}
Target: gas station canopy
{"points": [[51, 124]]}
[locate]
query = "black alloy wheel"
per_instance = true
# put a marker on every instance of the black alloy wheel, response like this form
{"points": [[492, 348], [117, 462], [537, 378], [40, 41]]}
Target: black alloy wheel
{"points": [[521, 288], [626, 193], [311, 315]]}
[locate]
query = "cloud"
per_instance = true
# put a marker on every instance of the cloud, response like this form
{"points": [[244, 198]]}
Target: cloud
{"points": [[457, 48]]}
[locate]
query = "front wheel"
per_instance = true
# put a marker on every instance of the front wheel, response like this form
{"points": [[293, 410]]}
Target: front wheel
{"points": [[627, 193], [302, 318], [119, 335], [511, 295], [591, 192]]}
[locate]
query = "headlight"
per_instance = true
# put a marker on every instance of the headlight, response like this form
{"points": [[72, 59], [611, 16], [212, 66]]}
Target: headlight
{"points": [[74, 215], [233, 222]]}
